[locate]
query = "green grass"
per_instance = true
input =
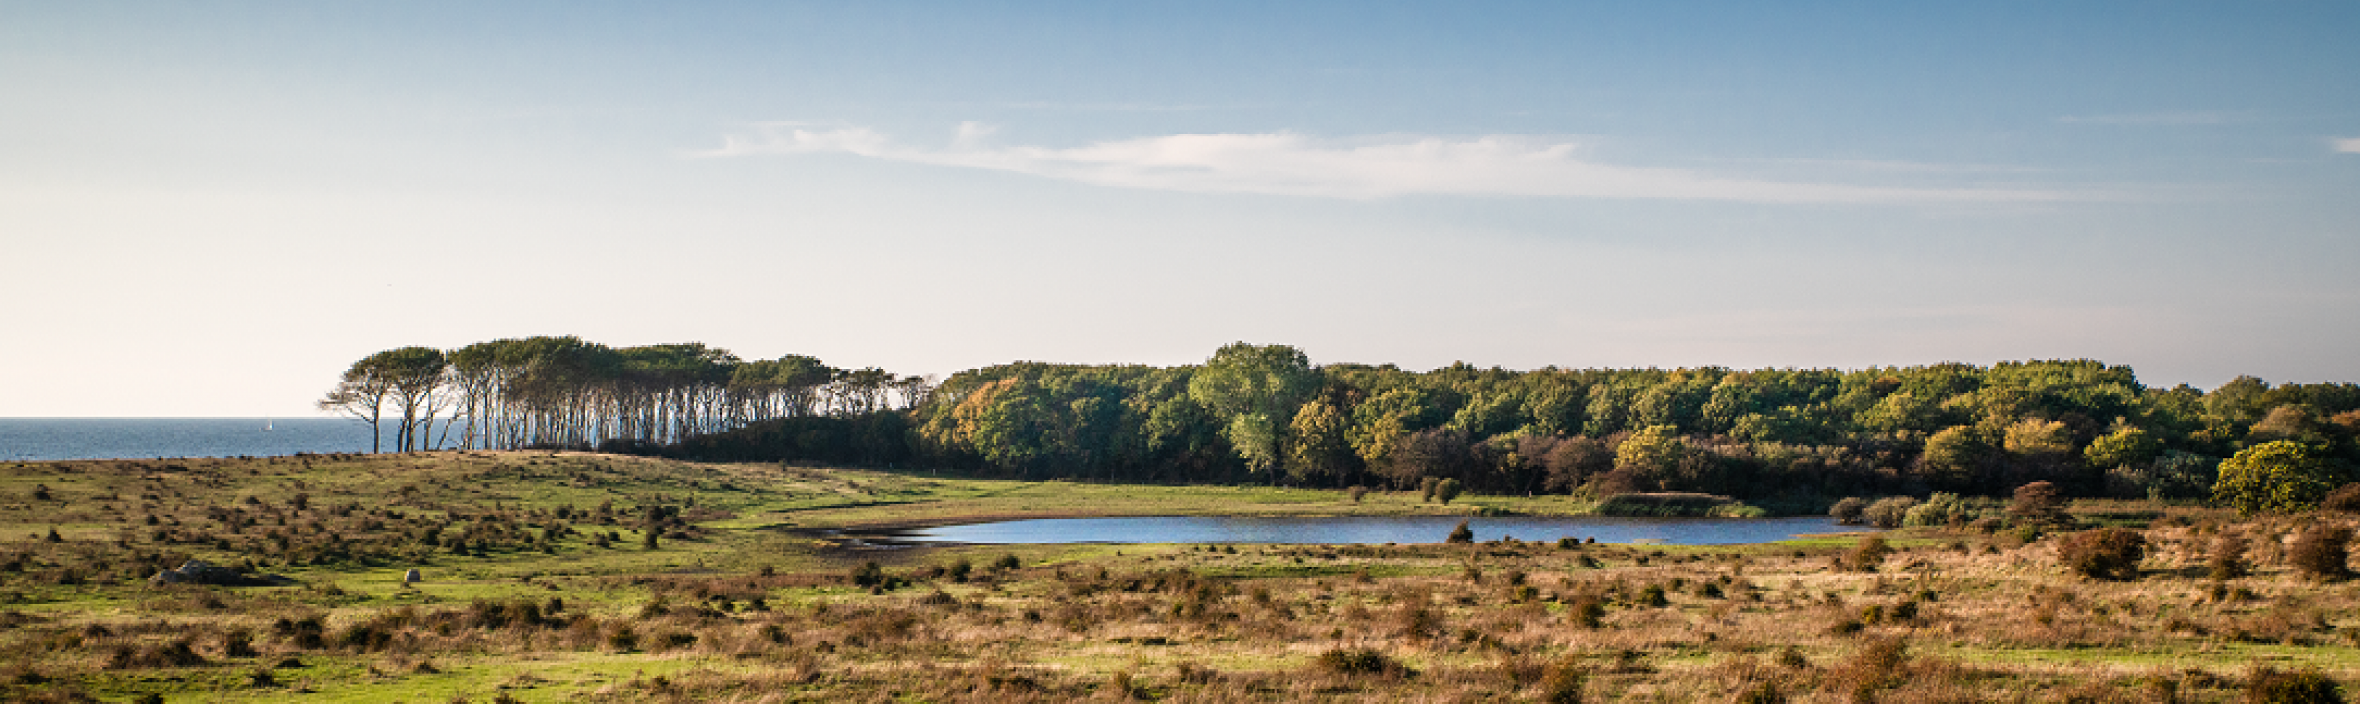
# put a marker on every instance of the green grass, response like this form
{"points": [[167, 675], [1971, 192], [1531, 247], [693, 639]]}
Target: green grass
{"points": [[1070, 614]]}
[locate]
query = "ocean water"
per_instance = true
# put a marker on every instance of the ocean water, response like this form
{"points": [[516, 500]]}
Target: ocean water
{"points": [[23, 439]]}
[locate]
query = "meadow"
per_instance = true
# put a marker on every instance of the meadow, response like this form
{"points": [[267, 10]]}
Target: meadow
{"points": [[560, 576]]}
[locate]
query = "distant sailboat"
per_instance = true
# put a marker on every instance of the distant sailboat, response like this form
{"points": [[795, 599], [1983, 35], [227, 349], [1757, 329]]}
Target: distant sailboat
{"points": [[266, 425]]}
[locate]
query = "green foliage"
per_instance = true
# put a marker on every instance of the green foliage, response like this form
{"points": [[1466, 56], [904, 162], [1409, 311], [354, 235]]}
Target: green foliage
{"points": [[1446, 490], [2125, 445], [1889, 512], [1254, 390], [1941, 509], [1848, 510], [2273, 477], [1651, 455], [1262, 413]]}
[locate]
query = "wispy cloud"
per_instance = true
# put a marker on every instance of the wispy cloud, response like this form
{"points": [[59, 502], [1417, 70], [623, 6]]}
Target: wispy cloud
{"points": [[2346, 145], [2184, 117], [1371, 167]]}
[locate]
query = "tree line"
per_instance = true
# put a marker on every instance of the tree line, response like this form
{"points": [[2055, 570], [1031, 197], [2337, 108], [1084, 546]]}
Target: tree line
{"points": [[1264, 413], [564, 392]]}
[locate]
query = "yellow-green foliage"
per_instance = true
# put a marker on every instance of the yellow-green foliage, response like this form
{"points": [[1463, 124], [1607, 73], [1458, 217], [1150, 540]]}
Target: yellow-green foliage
{"points": [[2275, 477]]}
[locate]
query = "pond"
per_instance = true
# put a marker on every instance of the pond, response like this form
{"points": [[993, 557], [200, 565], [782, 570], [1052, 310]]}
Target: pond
{"points": [[1345, 530]]}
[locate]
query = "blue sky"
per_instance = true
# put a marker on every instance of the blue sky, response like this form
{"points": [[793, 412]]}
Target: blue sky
{"points": [[211, 208]]}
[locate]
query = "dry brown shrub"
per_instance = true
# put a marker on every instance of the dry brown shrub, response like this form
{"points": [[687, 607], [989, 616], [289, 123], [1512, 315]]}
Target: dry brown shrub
{"points": [[2227, 560], [1362, 662], [1866, 556], [2104, 553], [2323, 551]]}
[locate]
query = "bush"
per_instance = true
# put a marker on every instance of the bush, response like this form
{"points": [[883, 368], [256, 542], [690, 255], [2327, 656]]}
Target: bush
{"points": [[1446, 490], [1562, 684], [238, 643], [1941, 509], [1888, 512], [2228, 558], [1007, 562], [2323, 551], [1426, 488], [2038, 502], [1586, 611], [2273, 477], [1363, 661], [1847, 512], [623, 639], [1356, 492], [1461, 534], [2345, 499], [1866, 556], [2105, 553], [2304, 687]]}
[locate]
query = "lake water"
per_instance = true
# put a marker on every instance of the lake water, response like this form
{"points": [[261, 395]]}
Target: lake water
{"points": [[25, 439], [1367, 530]]}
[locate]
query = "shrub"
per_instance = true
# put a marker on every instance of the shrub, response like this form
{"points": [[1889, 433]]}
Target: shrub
{"points": [[1356, 492], [2275, 477], [2323, 551], [1007, 562], [1562, 683], [623, 639], [1426, 488], [2303, 687], [961, 570], [1766, 692], [1888, 512], [1941, 509], [1847, 511], [1866, 556], [2105, 553], [1878, 664], [1653, 595], [2228, 558], [2344, 499], [1461, 534], [1586, 611], [1363, 661], [2038, 502], [238, 643], [1446, 490]]}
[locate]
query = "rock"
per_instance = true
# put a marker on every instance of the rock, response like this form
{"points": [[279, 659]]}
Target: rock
{"points": [[201, 572], [412, 577]]}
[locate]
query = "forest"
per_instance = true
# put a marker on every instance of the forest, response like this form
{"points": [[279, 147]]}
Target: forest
{"points": [[1791, 439]]}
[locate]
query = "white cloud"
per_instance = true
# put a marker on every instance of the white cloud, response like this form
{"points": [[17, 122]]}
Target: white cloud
{"points": [[1376, 167], [2347, 145]]}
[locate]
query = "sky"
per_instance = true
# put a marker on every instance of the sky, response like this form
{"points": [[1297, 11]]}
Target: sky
{"points": [[212, 208]]}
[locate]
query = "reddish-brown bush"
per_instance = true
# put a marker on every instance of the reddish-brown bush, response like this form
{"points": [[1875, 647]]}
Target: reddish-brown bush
{"points": [[2323, 551], [2105, 553]]}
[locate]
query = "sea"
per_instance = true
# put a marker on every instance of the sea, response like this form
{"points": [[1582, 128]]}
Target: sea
{"points": [[29, 439]]}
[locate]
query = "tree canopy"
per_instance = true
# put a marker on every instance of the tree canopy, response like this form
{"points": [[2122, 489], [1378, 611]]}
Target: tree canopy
{"points": [[1264, 413]]}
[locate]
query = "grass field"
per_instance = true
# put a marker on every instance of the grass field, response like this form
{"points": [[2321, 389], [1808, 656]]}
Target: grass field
{"points": [[541, 584]]}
